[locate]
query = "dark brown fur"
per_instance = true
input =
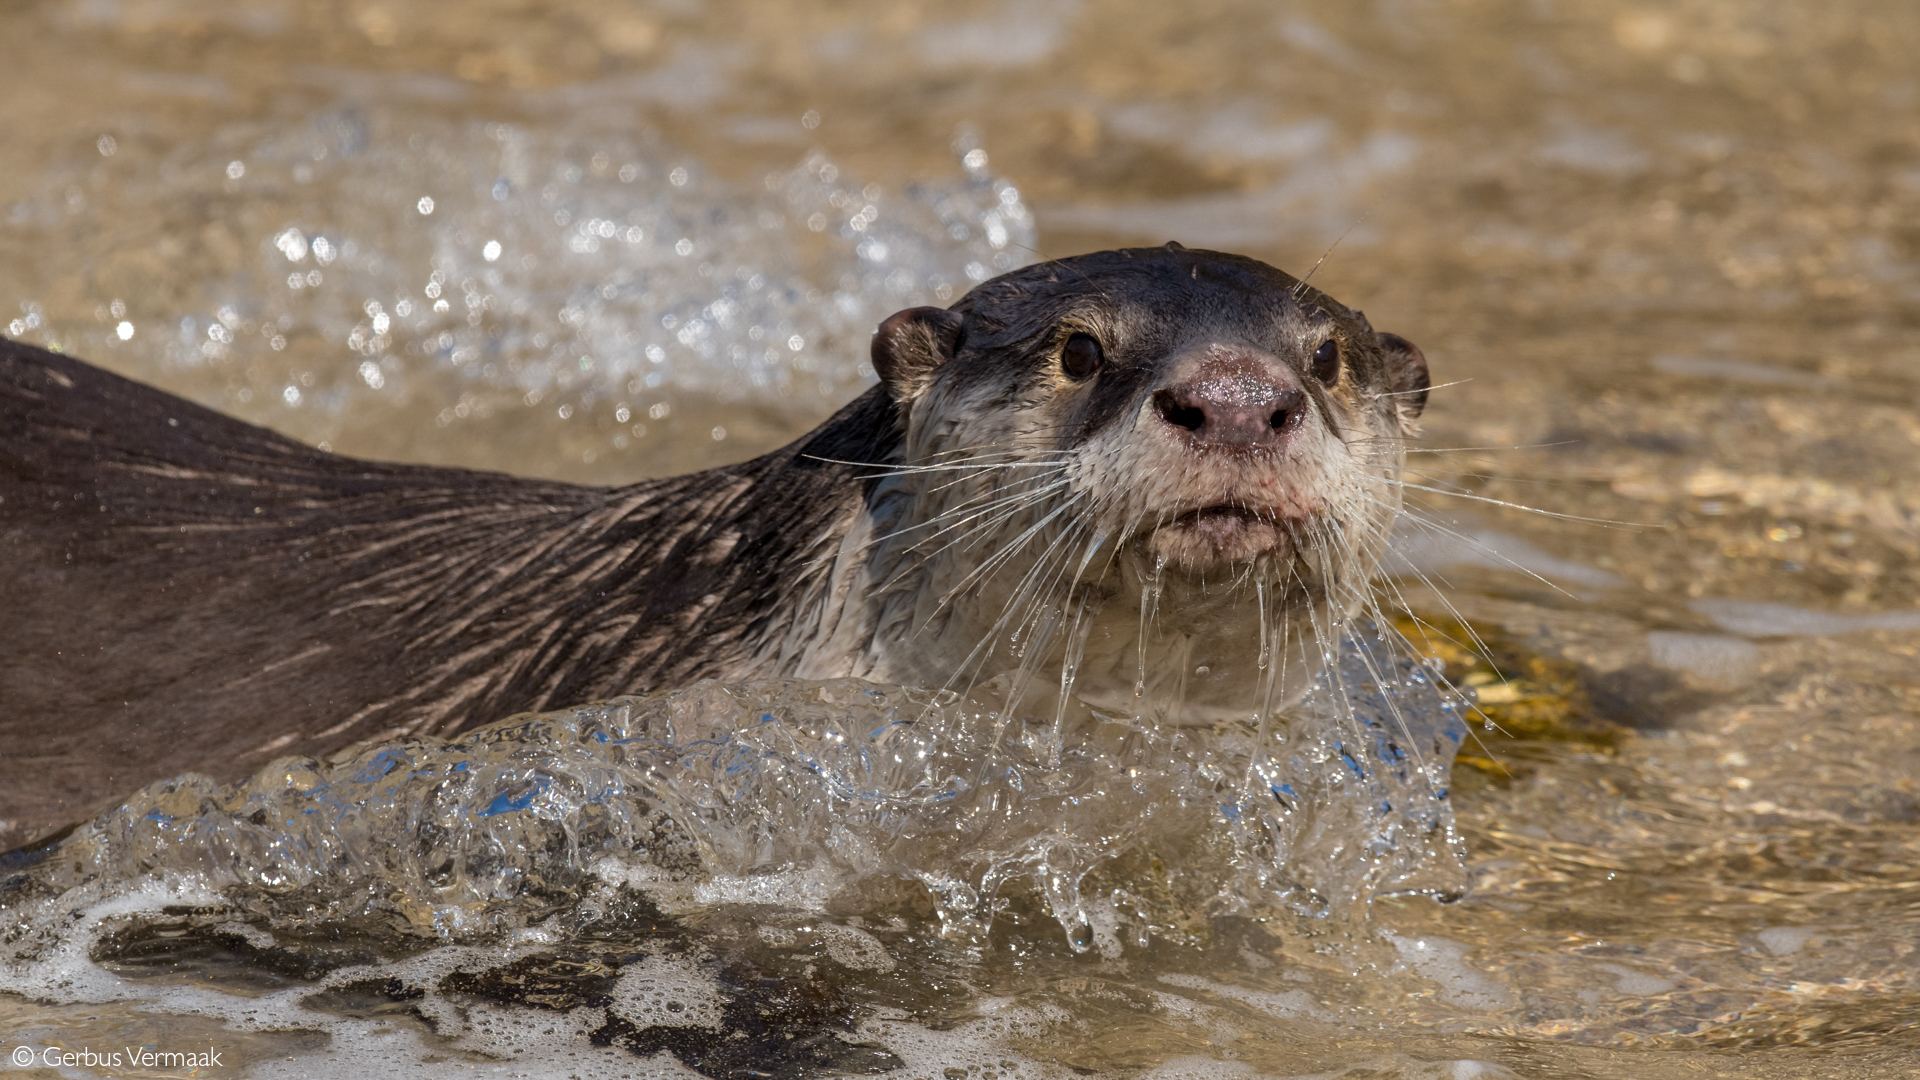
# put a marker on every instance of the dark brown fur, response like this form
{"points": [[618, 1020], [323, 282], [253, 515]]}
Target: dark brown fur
{"points": [[184, 591]]}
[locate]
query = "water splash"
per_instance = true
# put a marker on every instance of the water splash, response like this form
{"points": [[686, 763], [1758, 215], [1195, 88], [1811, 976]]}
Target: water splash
{"points": [[808, 794], [484, 268]]}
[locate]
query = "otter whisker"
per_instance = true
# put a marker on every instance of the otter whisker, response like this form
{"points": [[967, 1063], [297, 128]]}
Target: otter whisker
{"points": [[1604, 522], [983, 647], [1002, 510], [971, 467], [1504, 477], [1039, 625], [988, 565], [1419, 517], [1064, 265], [978, 465], [1362, 651], [976, 657], [1480, 646], [1399, 444], [1301, 286], [1327, 636], [1458, 692], [973, 509], [1001, 514], [1476, 644], [1420, 390]]}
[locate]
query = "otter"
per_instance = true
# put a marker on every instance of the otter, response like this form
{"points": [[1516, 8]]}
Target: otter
{"points": [[1134, 466]]}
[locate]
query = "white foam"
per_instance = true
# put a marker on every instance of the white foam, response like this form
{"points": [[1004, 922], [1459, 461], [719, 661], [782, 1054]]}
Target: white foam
{"points": [[469, 1037], [669, 991], [54, 961], [973, 1048], [855, 949]]}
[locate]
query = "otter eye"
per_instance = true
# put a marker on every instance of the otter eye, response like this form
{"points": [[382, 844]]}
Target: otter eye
{"points": [[1326, 362], [1081, 356]]}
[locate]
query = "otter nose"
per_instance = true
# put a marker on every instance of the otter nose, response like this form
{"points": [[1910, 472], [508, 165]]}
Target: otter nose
{"points": [[1232, 412]]}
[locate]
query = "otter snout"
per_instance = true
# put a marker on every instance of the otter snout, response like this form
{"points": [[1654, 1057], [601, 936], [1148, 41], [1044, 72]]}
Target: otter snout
{"points": [[1230, 400]]}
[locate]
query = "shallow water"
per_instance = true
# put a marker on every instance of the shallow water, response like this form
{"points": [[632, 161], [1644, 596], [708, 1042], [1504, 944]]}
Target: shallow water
{"points": [[1664, 256]]}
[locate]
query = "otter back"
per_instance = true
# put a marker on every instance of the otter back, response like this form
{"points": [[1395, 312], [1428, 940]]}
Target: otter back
{"points": [[182, 591]]}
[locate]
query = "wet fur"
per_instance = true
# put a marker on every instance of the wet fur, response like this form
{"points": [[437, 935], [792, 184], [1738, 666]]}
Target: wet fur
{"points": [[1067, 593], [187, 592], [184, 591]]}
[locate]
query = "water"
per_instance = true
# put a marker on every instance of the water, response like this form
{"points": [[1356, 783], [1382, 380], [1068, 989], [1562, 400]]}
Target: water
{"points": [[1664, 252], [886, 833]]}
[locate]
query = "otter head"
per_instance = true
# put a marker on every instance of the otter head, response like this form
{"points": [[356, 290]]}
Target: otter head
{"points": [[1153, 466]]}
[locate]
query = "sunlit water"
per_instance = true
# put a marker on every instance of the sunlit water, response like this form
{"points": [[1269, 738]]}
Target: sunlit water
{"points": [[1669, 250]]}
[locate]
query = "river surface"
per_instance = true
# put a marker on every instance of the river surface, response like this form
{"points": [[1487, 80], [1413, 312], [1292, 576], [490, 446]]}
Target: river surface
{"points": [[1664, 259]]}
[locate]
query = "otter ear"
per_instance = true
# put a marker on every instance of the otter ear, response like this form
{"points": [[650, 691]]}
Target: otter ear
{"points": [[1406, 376], [911, 345]]}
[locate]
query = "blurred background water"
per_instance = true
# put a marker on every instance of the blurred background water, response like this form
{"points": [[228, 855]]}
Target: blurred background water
{"points": [[1666, 258]]}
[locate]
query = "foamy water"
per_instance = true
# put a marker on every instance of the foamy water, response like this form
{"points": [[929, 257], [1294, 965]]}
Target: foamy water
{"points": [[600, 862], [535, 288]]}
